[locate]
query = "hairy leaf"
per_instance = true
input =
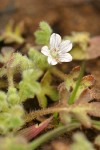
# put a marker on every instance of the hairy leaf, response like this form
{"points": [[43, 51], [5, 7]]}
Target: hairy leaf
{"points": [[46, 90], [38, 59], [29, 85], [43, 34]]}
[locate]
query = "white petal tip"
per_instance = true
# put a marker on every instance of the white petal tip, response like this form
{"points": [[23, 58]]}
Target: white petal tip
{"points": [[52, 61], [45, 50]]}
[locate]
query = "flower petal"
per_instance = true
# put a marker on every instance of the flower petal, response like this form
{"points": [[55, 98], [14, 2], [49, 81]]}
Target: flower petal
{"points": [[65, 46], [55, 40], [51, 61], [45, 51], [65, 57]]}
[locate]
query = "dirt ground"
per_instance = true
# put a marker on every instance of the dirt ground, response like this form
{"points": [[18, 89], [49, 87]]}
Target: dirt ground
{"points": [[65, 16]]}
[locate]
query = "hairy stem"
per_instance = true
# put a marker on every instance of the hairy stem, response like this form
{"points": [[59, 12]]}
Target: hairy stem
{"points": [[34, 114], [10, 77]]}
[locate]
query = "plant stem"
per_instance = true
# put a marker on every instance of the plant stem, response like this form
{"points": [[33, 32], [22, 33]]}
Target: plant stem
{"points": [[34, 114], [10, 77], [52, 134], [72, 97], [58, 73]]}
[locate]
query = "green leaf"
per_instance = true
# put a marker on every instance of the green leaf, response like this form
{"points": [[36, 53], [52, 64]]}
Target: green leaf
{"points": [[21, 62], [43, 34], [12, 119], [78, 53], [39, 60], [46, 90], [11, 34], [80, 42], [29, 86]]}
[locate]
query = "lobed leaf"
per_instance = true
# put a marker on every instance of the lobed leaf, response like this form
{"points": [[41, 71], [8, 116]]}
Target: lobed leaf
{"points": [[46, 90], [43, 34], [29, 85], [10, 34]]}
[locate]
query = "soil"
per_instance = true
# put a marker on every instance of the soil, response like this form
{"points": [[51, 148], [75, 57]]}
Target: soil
{"points": [[65, 16]]}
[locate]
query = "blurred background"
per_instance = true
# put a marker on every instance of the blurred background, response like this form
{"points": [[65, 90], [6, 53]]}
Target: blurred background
{"points": [[64, 16]]}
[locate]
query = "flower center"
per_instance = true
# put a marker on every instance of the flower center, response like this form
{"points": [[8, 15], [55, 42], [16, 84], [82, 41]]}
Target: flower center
{"points": [[54, 52]]}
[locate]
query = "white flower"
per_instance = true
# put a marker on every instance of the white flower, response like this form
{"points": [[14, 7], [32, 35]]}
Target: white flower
{"points": [[58, 51]]}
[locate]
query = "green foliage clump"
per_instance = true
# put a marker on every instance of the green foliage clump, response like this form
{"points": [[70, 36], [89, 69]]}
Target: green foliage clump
{"points": [[30, 87], [11, 119], [11, 113]]}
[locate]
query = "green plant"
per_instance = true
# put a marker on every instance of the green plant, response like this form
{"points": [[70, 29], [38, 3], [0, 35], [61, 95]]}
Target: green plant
{"points": [[33, 77]]}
